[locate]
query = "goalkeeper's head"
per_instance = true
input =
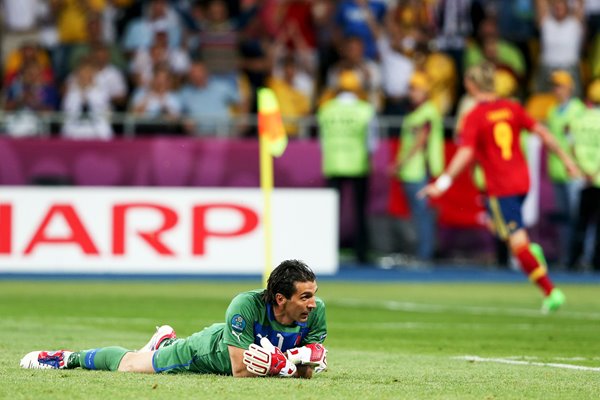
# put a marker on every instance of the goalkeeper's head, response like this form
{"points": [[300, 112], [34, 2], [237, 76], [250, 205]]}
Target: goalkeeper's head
{"points": [[284, 278], [290, 290]]}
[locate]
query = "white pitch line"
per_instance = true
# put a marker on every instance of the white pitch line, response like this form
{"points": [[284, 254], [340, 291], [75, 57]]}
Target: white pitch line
{"points": [[528, 363], [473, 310]]}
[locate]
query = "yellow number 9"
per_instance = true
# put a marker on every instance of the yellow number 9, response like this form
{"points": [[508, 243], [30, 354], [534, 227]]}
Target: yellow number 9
{"points": [[503, 135]]}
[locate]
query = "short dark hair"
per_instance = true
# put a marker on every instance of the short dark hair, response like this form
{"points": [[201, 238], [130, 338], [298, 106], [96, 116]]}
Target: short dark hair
{"points": [[283, 279]]}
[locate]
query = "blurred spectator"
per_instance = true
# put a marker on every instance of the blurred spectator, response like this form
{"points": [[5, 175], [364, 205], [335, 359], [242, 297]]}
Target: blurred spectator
{"points": [[28, 53], [396, 70], [421, 157], [454, 25], [297, 24], [112, 15], [293, 103], [348, 132], [303, 59], [516, 23], [27, 96], [441, 70], [323, 13], [206, 101], [256, 64], [96, 39], [586, 138], [489, 46], [363, 19], [158, 16], [367, 71], [592, 12], [157, 101], [86, 106], [566, 190], [72, 18], [297, 33], [20, 20], [561, 35], [217, 39], [413, 15], [145, 60], [109, 76]]}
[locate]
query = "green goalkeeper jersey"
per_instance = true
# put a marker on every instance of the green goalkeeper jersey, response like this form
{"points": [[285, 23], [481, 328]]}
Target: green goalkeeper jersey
{"points": [[248, 319]]}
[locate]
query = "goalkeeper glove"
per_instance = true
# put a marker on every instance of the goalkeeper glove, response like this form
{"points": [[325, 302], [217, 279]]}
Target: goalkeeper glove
{"points": [[267, 359], [313, 354]]}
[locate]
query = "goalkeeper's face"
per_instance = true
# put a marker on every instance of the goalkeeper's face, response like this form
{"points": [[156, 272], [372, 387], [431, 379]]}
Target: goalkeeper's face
{"points": [[301, 303]]}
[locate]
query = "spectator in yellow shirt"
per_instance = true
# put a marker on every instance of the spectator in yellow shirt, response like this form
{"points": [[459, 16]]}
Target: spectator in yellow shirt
{"points": [[292, 102]]}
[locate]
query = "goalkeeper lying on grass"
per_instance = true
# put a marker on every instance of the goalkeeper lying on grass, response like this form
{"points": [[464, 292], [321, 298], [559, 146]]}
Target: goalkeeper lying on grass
{"points": [[274, 332]]}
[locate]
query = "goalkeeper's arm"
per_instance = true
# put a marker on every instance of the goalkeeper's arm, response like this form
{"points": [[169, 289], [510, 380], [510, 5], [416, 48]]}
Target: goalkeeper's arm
{"points": [[238, 368]]}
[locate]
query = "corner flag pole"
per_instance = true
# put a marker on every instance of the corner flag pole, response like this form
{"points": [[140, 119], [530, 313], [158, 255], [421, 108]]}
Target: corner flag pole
{"points": [[272, 142], [266, 185]]}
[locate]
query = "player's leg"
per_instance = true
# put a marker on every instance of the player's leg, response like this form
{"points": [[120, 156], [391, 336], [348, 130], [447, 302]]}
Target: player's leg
{"points": [[596, 255], [107, 358], [508, 220], [423, 218], [163, 336], [531, 260], [586, 211], [137, 362]]}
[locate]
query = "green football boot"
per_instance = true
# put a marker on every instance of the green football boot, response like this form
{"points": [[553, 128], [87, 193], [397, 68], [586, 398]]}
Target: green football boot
{"points": [[553, 301]]}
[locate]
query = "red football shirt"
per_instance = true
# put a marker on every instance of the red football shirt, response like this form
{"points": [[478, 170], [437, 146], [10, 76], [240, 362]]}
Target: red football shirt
{"points": [[492, 129]]}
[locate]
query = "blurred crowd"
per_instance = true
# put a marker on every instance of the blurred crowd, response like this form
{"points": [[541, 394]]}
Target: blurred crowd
{"points": [[192, 65]]}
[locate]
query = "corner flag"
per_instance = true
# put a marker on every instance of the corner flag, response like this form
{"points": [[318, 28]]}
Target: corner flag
{"points": [[272, 143]]}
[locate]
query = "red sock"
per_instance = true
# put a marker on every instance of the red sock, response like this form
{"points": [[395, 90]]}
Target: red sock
{"points": [[530, 265]]}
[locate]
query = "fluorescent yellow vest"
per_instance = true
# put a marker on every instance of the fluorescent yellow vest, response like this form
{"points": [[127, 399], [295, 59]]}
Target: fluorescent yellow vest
{"points": [[344, 129], [586, 137], [432, 156], [558, 123]]}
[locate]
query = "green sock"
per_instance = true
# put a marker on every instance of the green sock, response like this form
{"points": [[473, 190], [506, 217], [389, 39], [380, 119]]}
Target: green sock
{"points": [[538, 253], [73, 361], [105, 358]]}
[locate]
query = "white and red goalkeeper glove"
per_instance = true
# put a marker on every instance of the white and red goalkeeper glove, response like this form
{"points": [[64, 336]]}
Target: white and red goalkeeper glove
{"points": [[267, 359], [313, 354]]}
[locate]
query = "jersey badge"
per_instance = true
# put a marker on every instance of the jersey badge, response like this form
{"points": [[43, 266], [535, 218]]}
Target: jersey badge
{"points": [[238, 324]]}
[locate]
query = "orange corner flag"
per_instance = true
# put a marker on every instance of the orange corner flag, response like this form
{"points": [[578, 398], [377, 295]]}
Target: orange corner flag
{"points": [[270, 124]]}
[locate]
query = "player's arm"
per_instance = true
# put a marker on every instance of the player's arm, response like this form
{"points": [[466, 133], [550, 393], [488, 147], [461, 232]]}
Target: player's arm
{"points": [[463, 157], [238, 368], [552, 145]]}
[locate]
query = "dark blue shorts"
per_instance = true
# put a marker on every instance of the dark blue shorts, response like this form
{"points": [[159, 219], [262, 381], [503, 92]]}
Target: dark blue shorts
{"points": [[506, 214]]}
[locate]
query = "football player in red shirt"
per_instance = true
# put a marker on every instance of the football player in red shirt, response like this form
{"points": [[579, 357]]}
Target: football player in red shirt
{"points": [[490, 134]]}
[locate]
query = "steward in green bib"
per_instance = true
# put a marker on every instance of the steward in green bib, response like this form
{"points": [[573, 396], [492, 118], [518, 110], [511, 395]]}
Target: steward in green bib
{"points": [[586, 149], [421, 156], [566, 192], [348, 135]]}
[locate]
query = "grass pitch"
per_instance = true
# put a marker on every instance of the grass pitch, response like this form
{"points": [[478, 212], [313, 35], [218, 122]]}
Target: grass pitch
{"points": [[386, 341]]}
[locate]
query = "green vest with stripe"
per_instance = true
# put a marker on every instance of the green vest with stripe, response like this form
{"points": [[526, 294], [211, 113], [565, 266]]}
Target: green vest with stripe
{"points": [[344, 129], [432, 155], [586, 138], [559, 122]]}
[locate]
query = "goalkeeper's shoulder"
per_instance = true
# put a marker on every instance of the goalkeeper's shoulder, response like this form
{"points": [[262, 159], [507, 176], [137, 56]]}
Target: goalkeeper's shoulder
{"points": [[251, 298], [320, 303], [317, 316]]}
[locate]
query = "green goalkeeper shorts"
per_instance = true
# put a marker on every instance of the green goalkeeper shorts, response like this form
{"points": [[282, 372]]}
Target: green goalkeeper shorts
{"points": [[199, 353]]}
